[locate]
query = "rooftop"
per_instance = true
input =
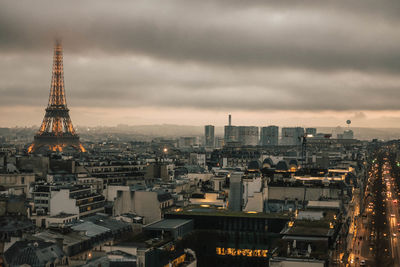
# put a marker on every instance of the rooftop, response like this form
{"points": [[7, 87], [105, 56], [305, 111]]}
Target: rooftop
{"points": [[323, 204], [90, 228], [167, 224], [63, 215], [34, 253], [211, 211], [320, 228]]}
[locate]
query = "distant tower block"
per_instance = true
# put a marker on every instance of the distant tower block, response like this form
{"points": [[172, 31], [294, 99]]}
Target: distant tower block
{"points": [[230, 120], [56, 131]]}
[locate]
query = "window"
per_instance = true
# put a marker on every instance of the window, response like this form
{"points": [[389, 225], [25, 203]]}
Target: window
{"points": [[22, 180]]}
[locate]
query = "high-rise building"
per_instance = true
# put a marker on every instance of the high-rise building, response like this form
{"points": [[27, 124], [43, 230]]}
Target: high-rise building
{"points": [[231, 133], [311, 131], [292, 136], [248, 135], [209, 131], [269, 136]]}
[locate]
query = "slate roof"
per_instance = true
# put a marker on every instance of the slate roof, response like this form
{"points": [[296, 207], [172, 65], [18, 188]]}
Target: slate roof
{"points": [[90, 228], [34, 253]]}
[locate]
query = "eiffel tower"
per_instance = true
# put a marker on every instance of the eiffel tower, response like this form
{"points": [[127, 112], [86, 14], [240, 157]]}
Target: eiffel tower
{"points": [[56, 131]]}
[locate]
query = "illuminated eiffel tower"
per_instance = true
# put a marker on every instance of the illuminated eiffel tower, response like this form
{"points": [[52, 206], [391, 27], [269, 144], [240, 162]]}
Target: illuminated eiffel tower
{"points": [[56, 131]]}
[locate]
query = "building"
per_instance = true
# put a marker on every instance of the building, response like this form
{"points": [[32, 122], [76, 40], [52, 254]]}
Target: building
{"points": [[17, 183], [148, 204], [248, 135], [209, 134], [298, 262], [175, 228], [347, 134], [76, 199], [311, 131], [230, 238], [231, 133], [219, 142], [41, 198], [198, 159], [35, 253], [188, 141], [269, 136], [161, 170], [236, 192], [292, 136], [61, 220], [86, 237]]}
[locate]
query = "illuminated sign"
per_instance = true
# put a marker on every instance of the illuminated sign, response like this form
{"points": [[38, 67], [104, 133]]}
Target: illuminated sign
{"points": [[242, 252], [177, 261]]}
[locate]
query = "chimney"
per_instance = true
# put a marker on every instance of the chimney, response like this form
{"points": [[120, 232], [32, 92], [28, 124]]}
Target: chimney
{"points": [[230, 120]]}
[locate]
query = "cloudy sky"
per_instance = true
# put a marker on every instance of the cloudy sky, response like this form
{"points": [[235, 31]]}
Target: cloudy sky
{"points": [[305, 63]]}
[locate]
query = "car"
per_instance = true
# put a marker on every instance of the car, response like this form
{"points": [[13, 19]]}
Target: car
{"points": [[362, 262]]}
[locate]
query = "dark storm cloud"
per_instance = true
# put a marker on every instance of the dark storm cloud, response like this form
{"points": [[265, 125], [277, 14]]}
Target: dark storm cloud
{"points": [[308, 35], [289, 55]]}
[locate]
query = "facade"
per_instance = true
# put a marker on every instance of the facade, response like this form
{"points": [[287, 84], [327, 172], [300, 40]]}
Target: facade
{"points": [[231, 133], [236, 192], [41, 198], [209, 134], [269, 136], [292, 136], [188, 141], [161, 170], [248, 135], [198, 159], [148, 204], [219, 142], [76, 200], [61, 220], [17, 183], [311, 131]]}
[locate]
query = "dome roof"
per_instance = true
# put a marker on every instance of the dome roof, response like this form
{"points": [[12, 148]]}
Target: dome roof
{"points": [[268, 161], [254, 165], [282, 166]]}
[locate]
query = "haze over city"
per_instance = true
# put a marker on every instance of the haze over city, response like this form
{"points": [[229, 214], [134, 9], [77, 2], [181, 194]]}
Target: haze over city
{"points": [[288, 63]]}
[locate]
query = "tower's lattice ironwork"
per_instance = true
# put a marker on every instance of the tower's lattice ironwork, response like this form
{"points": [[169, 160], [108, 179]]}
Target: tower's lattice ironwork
{"points": [[56, 131]]}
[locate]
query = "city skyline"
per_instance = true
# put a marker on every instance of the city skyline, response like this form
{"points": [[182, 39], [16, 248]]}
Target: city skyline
{"points": [[311, 65]]}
